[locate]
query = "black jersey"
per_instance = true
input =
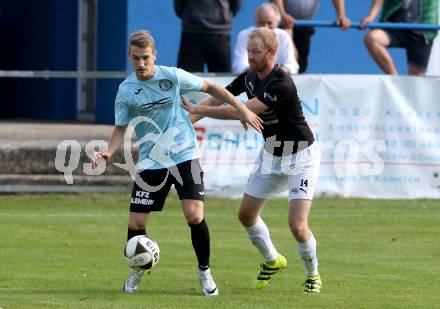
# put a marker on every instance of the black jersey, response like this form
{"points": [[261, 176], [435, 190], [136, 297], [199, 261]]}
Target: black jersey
{"points": [[284, 119]]}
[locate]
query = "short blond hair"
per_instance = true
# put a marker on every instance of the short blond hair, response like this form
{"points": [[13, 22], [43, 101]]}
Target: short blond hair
{"points": [[141, 38], [269, 37]]}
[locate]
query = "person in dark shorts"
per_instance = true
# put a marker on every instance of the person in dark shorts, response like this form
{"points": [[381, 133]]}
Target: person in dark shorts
{"points": [[417, 44], [149, 101]]}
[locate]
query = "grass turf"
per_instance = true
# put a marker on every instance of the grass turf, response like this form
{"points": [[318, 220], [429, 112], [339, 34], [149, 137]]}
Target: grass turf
{"points": [[65, 251]]}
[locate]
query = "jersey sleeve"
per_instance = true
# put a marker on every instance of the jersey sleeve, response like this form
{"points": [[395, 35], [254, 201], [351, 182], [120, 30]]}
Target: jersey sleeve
{"points": [[276, 92], [237, 86], [188, 82], [122, 109]]}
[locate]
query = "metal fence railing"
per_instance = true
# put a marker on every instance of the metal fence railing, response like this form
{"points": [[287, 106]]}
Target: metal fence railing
{"points": [[356, 24], [47, 74]]}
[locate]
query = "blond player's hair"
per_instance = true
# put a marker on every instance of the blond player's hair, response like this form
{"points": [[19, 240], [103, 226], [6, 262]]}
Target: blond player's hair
{"points": [[269, 37], [141, 38]]}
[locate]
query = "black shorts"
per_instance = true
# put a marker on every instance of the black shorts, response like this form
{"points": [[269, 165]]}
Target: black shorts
{"points": [[417, 47], [152, 186]]}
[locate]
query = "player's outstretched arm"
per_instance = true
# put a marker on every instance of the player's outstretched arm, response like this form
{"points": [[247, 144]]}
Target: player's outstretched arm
{"points": [[245, 115], [210, 101], [217, 112], [222, 112], [115, 142]]}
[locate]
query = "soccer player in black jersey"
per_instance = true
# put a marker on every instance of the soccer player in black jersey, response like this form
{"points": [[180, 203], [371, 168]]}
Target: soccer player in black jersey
{"points": [[290, 156]]}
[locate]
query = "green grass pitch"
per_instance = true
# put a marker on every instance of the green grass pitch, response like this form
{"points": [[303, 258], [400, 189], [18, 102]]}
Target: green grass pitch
{"points": [[65, 251]]}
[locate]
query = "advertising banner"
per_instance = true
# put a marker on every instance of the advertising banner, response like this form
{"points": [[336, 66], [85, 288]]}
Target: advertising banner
{"points": [[379, 137]]}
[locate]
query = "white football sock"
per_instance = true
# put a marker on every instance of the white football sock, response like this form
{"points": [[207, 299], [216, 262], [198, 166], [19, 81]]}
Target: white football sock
{"points": [[260, 238], [307, 252]]}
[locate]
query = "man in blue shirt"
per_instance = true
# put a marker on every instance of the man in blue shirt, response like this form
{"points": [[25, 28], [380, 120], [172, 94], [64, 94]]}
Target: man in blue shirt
{"points": [[150, 100]]}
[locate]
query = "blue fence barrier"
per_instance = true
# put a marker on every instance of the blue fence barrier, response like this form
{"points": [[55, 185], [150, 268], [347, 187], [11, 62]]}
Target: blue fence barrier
{"points": [[356, 24]]}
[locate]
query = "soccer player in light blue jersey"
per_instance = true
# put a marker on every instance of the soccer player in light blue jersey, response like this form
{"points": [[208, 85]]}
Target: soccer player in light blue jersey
{"points": [[150, 100]]}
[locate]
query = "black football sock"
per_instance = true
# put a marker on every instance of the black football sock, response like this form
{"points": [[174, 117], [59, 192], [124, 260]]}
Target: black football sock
{"points": [[132, 233], [201, 243]]}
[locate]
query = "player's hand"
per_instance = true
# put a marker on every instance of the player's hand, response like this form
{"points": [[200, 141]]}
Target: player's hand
{"points": [[343, 22], [244, 124], [98, 155], [191, 108], [366, 20], [248, 117]]}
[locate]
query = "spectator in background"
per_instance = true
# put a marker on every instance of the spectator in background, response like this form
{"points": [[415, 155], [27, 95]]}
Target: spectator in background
{"points": [[206, 27], [306, 9], [417, 43], [267, 15]]}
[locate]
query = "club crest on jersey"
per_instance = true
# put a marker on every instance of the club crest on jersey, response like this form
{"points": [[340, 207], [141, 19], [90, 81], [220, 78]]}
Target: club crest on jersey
{"points": [[165, 84], [269, 97]]}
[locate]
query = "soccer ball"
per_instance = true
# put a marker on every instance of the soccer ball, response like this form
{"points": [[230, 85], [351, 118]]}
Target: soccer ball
{"points": [[141, 252]]}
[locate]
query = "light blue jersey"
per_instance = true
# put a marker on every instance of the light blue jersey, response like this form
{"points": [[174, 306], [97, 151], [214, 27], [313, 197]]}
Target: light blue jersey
{"points": [[164, 131]]}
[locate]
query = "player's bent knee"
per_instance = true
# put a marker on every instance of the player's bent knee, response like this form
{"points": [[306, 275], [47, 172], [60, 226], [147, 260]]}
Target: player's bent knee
{"points": [[193, 211], [246, 219], [242, 218], [194, 219], [194, 216], [300, 231]]}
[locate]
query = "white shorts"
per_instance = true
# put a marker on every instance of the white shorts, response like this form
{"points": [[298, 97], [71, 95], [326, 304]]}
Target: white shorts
{"points": [[298, 172]]}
